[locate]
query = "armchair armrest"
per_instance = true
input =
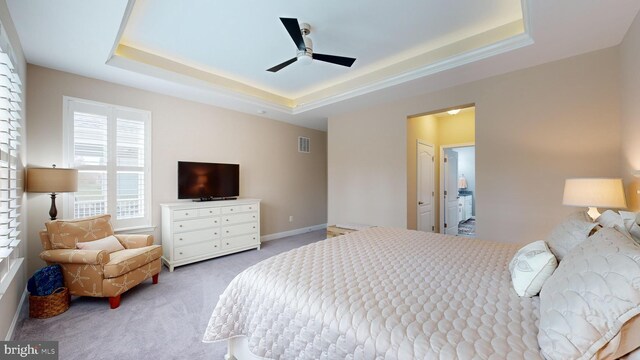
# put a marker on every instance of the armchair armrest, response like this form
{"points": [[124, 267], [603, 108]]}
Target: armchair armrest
{"points": [[73, 256], [134, 241]]}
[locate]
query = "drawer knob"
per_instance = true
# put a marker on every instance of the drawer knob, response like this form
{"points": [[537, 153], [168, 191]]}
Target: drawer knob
{"points": [[180, 239], [215, 233], [254, 227], [210, 212], [227, 231], [180, 252], [227, 243], [215, 245], [186, 214], [180, 225], [254, 216], [230, 209], [227, 220]]}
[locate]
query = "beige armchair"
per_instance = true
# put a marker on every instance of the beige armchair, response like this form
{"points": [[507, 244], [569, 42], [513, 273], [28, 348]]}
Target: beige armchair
{"points": [[99, 273]]}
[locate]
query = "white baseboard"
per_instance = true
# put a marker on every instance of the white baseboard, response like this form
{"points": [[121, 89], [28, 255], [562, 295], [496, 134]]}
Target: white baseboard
{"points": [[292, 232], [12, 328]]}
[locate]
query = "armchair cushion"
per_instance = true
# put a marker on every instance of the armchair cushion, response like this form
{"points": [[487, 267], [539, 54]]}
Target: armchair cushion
{"points": [[65, 234], [124, 261], [135, 240], [110, 244], [72, 256]]}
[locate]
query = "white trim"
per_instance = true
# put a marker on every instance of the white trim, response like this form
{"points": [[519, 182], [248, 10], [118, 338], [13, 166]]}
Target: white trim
{"points": [[292, 232], [14, 322], [136, 229]]}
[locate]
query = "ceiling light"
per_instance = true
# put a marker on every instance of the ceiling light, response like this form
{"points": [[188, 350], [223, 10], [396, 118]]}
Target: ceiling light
{"points": [[453, 112]]}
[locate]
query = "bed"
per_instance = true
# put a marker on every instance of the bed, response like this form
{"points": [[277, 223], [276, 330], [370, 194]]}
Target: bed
{"points": [[381, 293], [387, 293]]}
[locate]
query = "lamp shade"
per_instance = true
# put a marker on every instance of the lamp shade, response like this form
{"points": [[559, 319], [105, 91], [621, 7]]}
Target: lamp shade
{"points": [[594, 192], [52, 180]]}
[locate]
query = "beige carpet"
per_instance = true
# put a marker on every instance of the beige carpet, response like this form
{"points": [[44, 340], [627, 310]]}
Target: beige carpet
{"points": [[164, 321]]}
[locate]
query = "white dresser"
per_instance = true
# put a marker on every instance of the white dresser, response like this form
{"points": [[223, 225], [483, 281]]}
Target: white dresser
{"points": [[195, 231]]}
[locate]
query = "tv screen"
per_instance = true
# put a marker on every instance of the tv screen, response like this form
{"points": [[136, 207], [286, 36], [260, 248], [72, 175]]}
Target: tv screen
{"points": [[208, 181]]}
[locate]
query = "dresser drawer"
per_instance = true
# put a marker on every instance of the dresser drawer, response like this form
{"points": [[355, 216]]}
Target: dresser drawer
{"points": [[195, 224], [239, 208], [193, 237], [234, 230], [208, 247], [239, 241], [239, 218], [184, 214], [208, 211]]}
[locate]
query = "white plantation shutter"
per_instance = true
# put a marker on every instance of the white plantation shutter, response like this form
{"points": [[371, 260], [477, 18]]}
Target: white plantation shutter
{"points": [[110, 147], [11, 170]]}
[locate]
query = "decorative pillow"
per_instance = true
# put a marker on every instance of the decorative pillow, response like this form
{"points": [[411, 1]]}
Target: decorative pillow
{"points": [[614, 220], [575, 229], [65, 234], [594, 291], [110, 244], [531, 267], [631, 221]]}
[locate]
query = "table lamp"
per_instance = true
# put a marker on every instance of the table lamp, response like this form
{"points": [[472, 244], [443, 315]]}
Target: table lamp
{"points": [[594, 193], [52, 180]]}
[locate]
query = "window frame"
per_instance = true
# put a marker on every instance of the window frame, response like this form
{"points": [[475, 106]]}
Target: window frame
{"points": [[110, 111]]}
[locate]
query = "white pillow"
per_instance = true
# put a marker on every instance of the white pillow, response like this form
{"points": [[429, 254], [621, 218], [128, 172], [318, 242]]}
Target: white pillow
{"points": [[110, 244], [631, 221], [591, 295], [575, 229], [531, 267]]}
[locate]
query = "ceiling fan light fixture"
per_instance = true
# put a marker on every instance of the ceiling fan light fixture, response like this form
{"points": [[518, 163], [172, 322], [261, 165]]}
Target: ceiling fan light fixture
{"points": [[305, 59]]}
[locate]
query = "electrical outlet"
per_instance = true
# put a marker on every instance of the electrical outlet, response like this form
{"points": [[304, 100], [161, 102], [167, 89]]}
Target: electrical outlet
{"points": [[290, 218]]}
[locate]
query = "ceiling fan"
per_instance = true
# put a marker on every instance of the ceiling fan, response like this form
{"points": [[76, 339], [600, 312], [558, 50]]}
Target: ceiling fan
{"points": [[305, 53]]}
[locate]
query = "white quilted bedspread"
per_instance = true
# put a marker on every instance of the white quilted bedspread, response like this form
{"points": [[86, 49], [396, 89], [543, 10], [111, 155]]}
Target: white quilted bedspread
{"points": [[381, 294]]}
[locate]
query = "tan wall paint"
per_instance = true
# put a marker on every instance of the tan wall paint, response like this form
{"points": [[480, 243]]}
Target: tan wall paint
{"points": [[534, 128], [288, 182], [630, 83], [440, 131]]}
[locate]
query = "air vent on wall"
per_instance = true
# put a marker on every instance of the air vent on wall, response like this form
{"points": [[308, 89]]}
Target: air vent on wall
{"points": [[303, 144]]}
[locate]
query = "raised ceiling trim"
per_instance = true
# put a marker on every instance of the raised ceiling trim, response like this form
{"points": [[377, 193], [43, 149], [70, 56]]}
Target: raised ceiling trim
{"points": [[499, 40]]}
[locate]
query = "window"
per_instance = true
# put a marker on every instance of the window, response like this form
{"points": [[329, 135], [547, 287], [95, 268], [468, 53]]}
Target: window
{"points": [[111, 148], [11, 168]]}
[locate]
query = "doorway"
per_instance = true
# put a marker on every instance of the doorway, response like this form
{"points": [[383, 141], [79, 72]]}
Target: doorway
{"points": [[428, 136], [458, 196]]}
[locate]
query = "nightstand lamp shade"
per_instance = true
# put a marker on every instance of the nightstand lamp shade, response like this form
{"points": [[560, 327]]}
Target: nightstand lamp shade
{"points": [[52, 180], [594, 193]]}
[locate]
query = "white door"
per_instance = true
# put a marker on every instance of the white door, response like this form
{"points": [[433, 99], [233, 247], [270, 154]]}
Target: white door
{"points": [[451, 203], [425, 188]]}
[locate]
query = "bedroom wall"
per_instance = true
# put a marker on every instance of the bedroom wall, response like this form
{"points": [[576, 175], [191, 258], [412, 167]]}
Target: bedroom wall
{"points": [[534, 128], [10, 299], [630, 85], [271, 168]]}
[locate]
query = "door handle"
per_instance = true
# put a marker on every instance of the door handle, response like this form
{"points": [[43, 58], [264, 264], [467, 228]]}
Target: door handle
{"points": [[420, 203]]}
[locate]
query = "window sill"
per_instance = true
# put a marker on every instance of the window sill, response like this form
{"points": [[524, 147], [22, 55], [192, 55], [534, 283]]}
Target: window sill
{"points": [[136, 229]]}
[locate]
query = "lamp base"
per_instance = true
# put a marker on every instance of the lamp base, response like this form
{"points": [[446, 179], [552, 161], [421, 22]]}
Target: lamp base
{"points": [[53, 212], [593, 212]]}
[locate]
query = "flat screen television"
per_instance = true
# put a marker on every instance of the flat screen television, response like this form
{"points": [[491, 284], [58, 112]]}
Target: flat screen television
{"points": [[208, 181]]}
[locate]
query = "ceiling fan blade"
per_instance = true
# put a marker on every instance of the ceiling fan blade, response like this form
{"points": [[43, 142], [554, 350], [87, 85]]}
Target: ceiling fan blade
{"points": [[293, 28], [339, 60], [284, 64]]}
